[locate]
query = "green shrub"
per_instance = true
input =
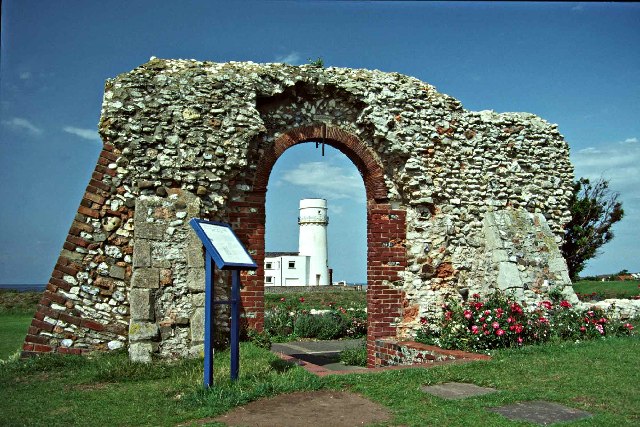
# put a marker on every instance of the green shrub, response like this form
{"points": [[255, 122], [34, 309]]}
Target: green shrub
{"points": [[354, 356], [356, 323], [307, 326], [278, 322], [331, 325], [500, 321], [259, 339]]}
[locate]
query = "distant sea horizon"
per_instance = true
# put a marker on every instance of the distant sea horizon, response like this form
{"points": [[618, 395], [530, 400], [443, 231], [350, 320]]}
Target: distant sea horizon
{"points": [[23, 287]]}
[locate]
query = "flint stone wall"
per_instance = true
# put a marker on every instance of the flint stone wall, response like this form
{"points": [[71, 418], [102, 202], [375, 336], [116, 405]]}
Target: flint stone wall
{"points": [[458, 201]]}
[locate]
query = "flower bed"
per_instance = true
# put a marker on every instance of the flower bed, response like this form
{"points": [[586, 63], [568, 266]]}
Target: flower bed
{"points": [[499, 321], [292, 319]]}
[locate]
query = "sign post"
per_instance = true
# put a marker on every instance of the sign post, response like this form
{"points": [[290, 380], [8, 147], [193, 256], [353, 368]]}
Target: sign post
{"points": [[223, 248]]}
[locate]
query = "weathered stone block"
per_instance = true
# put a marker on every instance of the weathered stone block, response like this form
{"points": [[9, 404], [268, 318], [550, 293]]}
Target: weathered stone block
{"points": [[140, 352], [499, 255], [117, 272], [149, 230], [196, 351], [196, 279], [194, 252], [508, 276], [141, 253], [146, 278], [197, 326], [492, 237], [142, 331], [141, 304], [198, 299]]}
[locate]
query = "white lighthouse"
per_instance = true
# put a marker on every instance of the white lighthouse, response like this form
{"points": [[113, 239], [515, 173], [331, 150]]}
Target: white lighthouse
{"points": [[309, 266], [313, 221]]}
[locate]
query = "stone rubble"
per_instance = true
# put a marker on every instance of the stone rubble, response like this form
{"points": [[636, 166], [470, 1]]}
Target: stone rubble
{"points": [[485, 196]]}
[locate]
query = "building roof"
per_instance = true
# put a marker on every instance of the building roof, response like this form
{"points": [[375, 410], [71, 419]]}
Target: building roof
{"points": [[278, 254]]}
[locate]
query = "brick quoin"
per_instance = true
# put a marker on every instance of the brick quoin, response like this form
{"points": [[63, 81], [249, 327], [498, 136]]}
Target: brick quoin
{"points": [[386, 232], [92, 202]]}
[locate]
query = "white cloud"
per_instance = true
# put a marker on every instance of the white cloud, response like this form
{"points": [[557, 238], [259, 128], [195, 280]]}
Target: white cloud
{"points": [[619, 163], [25, 75], [90, 134], [327, 181], [20, 124], [292, 58]]}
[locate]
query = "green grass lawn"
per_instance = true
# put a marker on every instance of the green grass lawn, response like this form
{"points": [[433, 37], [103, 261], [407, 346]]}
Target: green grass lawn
{"points": [[599, 376], [13, 329], [319, 299], [16, 312], [613, 289]]}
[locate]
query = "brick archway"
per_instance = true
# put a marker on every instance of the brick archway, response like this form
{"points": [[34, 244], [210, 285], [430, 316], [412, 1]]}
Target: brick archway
{"points": [[386, 232]]}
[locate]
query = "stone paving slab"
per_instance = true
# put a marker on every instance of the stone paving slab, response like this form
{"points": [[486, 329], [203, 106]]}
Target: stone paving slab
{"points": [[540, 412], [319, 354], [315, 347], [454, 390]]}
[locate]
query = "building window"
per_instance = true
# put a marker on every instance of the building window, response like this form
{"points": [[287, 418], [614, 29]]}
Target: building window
{"points": [[292, 264], [268, 279], [268, 266]]}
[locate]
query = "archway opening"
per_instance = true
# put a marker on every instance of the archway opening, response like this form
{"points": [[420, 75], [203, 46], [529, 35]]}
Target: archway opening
{"points": [[302, 173], [315, 250], [386, 231]]}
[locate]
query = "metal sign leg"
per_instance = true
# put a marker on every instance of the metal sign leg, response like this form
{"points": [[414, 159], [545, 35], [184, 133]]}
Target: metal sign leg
{"points": [[235, 325], [208, 323]]}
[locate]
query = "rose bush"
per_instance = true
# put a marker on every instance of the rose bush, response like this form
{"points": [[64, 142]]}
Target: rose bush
{"points": [[499, 322], [292, 318]]}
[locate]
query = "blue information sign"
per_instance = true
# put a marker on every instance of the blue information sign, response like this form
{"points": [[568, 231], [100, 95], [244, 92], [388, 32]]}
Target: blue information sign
{"points": [[223, 248]]}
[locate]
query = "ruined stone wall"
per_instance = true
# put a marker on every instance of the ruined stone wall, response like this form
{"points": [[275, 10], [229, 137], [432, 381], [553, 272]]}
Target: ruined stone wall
{"points": [[458, 201]]}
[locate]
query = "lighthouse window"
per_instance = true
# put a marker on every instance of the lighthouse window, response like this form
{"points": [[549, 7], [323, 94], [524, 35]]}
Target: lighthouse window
{"points": [[268, 266], [292, 264], [269, 279]]}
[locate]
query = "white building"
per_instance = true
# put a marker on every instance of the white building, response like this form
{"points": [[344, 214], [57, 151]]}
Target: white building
{"points": [[310, 265]]}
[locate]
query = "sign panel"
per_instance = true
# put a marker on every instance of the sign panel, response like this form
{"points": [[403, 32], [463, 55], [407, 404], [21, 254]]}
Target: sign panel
{"points": [[227, 244], [227, 251]]}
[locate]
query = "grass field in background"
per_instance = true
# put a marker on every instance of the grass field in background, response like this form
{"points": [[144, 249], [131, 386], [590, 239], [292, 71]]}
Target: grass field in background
{"points": [[604, 290], [14, 302], [319, 299]]}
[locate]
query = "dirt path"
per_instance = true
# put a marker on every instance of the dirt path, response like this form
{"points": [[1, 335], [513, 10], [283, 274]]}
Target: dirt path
{"points": [[306, 409]]}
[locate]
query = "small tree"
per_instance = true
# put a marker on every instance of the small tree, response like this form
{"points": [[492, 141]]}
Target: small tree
{"points": [[594, 209]]}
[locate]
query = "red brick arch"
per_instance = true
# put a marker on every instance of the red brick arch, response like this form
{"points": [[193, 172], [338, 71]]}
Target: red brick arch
{"points": [[361, 156], [386, 232]]}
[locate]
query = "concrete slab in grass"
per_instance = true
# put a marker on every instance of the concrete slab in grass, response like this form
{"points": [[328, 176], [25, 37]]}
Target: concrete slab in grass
{"points": [[456, 390], [540, 412]]}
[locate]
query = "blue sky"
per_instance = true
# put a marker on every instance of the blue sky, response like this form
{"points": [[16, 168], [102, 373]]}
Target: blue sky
{"points": [[574, 64]]}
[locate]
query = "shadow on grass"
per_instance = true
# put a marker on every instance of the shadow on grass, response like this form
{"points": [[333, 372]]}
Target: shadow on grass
{"points": [[281, 366]]}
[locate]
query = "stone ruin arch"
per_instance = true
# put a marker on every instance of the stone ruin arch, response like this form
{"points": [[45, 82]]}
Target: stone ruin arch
{"points": [[458, 202]]}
